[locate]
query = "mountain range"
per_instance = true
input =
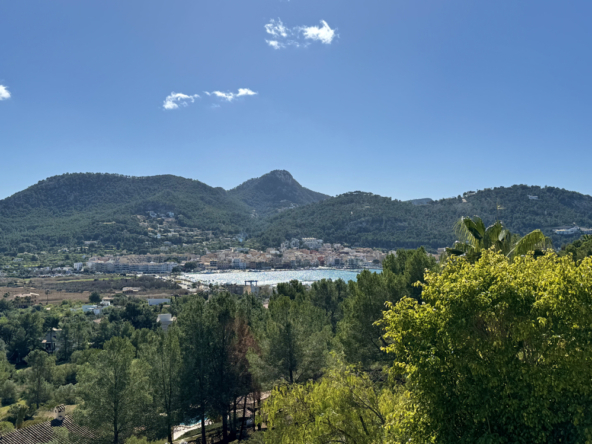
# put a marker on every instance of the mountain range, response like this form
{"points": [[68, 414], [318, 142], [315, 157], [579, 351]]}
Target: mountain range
{"points": [[69, 209]]}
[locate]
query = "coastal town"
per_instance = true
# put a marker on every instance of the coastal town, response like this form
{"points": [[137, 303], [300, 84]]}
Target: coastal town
{"points": [[294, 254]]}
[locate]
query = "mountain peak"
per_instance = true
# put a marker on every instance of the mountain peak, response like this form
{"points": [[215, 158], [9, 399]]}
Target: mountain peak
{"points": [[274, 192], [282, 175]]}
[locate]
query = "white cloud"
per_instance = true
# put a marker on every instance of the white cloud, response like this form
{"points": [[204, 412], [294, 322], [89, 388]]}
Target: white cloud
{"points": [[274, 44], [174, 99], [245, 92], [299, 35], [277, 29], [4, 93], [229, 96], [323, 34]]}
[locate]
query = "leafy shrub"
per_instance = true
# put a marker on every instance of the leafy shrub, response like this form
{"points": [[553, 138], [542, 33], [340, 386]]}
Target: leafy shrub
{"points": [[9, 392], [19, 413], [66, 394], [6, 427]]}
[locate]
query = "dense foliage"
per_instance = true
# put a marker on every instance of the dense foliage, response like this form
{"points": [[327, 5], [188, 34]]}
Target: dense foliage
{"points": [[490, 349], [273, 192], [70, 209], [494, 351], [364, 219], [499, 353], [579, 249]]}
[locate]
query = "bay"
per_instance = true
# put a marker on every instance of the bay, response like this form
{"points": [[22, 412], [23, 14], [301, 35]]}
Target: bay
{"points": [[274, 277]]}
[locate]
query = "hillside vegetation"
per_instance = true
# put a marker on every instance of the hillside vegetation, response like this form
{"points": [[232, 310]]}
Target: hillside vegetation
{"points": [[365, 219], [275, 191], [66, 210]]}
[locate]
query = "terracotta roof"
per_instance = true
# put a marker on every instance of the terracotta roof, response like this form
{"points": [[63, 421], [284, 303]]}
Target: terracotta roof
{"points": [[43, 433]]}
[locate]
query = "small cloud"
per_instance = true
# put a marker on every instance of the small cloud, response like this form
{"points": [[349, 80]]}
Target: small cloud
{"points": [[173, 100], [323, 34], [229, 96], [274, 44], [299, 35], [245, 92], [277, 29], [4, 93]]}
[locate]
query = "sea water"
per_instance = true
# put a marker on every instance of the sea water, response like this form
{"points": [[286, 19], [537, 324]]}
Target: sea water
{"points": [[274, 277]]}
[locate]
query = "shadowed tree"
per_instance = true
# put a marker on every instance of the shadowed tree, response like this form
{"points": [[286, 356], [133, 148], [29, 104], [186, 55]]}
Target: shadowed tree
{"points": [[163, 357], [114, 389], [39, 376], [195, 330]]}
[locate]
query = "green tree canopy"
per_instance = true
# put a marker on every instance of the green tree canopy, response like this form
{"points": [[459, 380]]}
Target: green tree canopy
{"points": [[499, 353], [295, 342], [345, 406], [39, 377], [94, 297], [360, 336], [163, 359], [115, 392]]}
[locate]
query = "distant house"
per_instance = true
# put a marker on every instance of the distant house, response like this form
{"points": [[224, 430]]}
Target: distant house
{"points": [[533, 197], [130, 290], [50, 342], [96, 309], [165, 320], [567, 231]]}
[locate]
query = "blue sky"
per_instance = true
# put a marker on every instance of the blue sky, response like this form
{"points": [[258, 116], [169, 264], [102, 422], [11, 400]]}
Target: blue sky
{"points": [[406, 99]]}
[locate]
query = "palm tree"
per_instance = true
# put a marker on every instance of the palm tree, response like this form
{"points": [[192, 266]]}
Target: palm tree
{"points": [[474, 237]]}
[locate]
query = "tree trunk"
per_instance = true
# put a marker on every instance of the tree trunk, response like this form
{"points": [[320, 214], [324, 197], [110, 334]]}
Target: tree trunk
{"points": [[225, 427], [203, 426], [234, 417], [258, 410], [240, 436]]}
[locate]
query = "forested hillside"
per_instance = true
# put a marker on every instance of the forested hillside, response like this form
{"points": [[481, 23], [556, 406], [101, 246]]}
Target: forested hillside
{"points": [[366, 219], [68, 209], [273, 192]]}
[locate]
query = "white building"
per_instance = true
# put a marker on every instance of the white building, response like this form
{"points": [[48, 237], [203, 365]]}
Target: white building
{"points": [[568, 231], [238, 263], [165, 320], [311, 243], [96, 309], [115, 266]]}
